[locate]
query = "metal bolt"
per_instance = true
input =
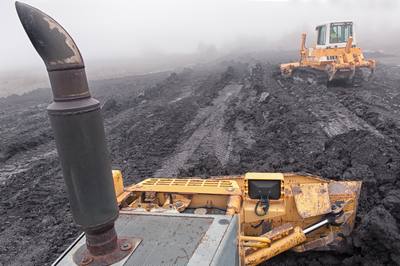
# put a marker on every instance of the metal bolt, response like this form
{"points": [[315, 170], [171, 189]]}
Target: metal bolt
{"points": [[86, 260], [125, 246]]}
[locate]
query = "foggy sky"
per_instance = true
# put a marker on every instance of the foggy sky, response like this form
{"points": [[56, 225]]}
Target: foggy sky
{"points": [[130, 28]]}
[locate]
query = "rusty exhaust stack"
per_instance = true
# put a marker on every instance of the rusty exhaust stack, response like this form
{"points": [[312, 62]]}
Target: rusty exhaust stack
{"points": [[79, 133]]}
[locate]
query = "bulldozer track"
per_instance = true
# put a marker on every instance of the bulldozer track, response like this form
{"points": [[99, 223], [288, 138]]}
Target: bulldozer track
{"points": [[310, 76], [208, 134]]}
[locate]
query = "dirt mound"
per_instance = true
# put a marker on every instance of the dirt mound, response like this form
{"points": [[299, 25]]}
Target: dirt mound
{"points": [[226, 117], [378, 237]]}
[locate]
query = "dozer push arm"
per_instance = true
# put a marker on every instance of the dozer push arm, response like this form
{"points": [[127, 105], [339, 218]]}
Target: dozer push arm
{"points": [[285, 237], [294, 238], [303, 49]]}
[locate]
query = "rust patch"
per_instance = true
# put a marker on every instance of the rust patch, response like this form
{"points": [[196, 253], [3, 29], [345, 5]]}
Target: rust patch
{"points": [[312, 199], [75, 58], [277, 232], [315, 244]]}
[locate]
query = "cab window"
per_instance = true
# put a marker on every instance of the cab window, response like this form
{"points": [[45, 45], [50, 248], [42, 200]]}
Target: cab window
{"points": [[321, 35], [340, 32]]}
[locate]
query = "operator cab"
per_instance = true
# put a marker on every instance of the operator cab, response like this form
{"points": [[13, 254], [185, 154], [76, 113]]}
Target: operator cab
{"points": [[334, 35]]}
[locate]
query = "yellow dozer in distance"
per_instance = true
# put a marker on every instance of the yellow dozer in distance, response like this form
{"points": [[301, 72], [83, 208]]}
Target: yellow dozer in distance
{"points": [[334, 57]]}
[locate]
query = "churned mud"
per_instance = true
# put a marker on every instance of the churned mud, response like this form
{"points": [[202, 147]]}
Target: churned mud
{"points": [[226, 117]]}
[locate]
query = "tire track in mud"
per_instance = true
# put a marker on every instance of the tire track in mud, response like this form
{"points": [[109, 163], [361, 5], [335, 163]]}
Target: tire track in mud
{"points": [[208, 134], [377, 104], [23, 162], [333, 117], [32, 206], [149, 133]]}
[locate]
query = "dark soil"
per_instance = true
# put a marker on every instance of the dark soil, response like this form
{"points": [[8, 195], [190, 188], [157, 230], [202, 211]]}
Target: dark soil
{"points": [[226, 117]]}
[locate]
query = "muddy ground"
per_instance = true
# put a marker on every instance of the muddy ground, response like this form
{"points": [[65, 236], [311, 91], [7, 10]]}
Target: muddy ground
{"points": [[226, 117]]}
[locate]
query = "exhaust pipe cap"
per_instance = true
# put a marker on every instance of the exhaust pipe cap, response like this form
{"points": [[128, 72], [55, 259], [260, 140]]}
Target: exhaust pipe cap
{"points": [[59, 52], [56, 47]]}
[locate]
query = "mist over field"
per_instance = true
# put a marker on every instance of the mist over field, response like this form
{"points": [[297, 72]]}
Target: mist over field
{"points": [[124, 37]]}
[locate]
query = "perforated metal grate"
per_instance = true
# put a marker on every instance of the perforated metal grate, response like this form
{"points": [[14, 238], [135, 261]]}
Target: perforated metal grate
{"points": [[204, 186]]}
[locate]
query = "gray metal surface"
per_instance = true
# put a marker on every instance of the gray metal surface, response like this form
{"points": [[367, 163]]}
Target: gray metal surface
{"points": [[175, 239], [227, 253], [167, 240], [217, 237]]}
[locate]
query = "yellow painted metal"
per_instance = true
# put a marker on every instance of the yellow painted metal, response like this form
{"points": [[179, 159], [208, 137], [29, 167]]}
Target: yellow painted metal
{"points": [[209, 201], [276, 209], [293, 239], [312, 199], [352, 59], [278, 232], [255, 238], [316, 243], [120, 192], [342, 191], [118, 182], [178, 202], [349, 44], [181, 201], [255, 245], [264, 176], [234, 204], [292, 210], [190, 186], [251, 244], [342, 63]]}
